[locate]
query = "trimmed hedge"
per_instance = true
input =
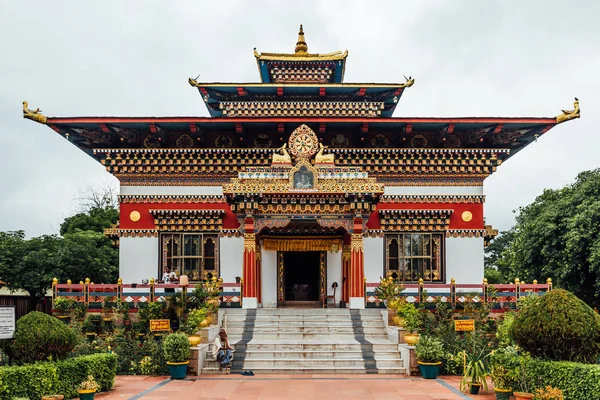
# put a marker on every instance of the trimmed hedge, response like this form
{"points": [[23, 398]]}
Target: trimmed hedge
{"points": [[63, 377], [577, 381], [41, 337], [558, 326]]}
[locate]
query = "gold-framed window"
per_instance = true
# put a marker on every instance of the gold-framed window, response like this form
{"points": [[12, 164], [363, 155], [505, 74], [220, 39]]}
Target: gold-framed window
{"points": [[193, 254], [411, 256]]}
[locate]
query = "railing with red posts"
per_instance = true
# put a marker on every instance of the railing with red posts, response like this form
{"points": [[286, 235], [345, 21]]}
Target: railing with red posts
{"points": [[498, 297], [97, 295]]}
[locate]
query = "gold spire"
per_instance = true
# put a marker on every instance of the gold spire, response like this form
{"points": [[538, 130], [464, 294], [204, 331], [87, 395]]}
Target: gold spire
{"points": [[301, 46]]}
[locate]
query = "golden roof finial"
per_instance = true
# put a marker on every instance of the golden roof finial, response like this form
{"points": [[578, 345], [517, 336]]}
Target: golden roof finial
{"points": [[301, 46]]}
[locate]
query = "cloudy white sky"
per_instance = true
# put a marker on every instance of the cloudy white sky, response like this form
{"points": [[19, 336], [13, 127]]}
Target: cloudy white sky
{"points": [[133, 58]]}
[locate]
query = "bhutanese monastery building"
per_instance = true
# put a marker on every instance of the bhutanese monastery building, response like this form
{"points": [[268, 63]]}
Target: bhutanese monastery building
{"points": [[301, 181]]}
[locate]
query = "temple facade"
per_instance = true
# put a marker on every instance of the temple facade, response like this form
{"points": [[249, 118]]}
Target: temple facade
{"points": [[301, 185]]}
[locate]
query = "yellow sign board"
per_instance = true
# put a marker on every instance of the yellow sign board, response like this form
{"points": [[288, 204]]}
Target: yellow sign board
{"points": [[158, 325], [464, 325]]}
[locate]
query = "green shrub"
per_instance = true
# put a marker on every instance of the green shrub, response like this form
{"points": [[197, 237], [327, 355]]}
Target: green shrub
{"points": [[36, 380], [176, 347], [192, 323], [40, 337], [558, 326], [503, 332], [429, 349]]}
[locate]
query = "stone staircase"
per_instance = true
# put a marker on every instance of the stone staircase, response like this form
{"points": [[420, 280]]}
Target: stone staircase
{"points": [[309, 340]]}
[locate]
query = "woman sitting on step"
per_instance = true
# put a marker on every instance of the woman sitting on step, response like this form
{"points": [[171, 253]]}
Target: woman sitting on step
{"points": [[222, 351]]}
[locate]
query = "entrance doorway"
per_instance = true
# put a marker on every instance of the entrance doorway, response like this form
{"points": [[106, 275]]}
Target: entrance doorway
{"points": [[301, 275]]}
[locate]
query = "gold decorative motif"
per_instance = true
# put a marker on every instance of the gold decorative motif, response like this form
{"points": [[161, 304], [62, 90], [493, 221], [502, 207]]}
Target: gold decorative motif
{"points": [[435, 198], [34, 115], [405, 220], [455, 233], [335, 56], [323, 159], [135, 216], [301, 46], [345, 253], [569, 114], [283, 158], [409, 82], [205, 220], [490, 233], [250, 242], [238, 109], [467, 216], [356, 243], [303, 142], [300, 243], [137, 232], [170, 198]]}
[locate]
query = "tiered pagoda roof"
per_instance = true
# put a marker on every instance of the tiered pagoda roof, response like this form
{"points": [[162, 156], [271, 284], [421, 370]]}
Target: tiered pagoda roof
{"points": [[250, 121]]}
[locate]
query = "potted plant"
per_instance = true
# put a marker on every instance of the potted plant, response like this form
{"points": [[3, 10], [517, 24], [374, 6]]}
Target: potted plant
{"points": [[501, 378], [107, 321], [522, 384], [89, 328], [503, 363], [88, 388], [412, 322], [176, 349], [47, 397], [192, 324], [476, 372], [64, 306], [121, 308], [429, 352]]}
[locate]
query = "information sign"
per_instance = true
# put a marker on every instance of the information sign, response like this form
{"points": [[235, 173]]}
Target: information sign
{"points": [[160, 325], [7, 322], [464, 325]]}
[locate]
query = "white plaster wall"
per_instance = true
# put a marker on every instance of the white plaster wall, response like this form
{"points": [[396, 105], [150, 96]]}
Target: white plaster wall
{"points": [[427, 190], [172, 190], [231, 256], [269, 278], [334, 274], [138, 259], [374, 253], [464, 260]]}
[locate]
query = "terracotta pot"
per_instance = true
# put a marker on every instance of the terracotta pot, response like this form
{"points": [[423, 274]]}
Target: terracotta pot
{"points": [[522, 396]]}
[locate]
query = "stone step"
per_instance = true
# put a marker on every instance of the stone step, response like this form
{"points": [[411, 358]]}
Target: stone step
{"points": [[324, 363], [305, 317], [260, 330], [309, 336], [347, 345], [315, 371], [292, 324], [312, 354], [302, 311]]}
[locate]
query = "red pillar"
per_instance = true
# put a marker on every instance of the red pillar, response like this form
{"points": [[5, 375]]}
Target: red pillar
{"points": [[346, 273], [357, 268], [249, 266]]}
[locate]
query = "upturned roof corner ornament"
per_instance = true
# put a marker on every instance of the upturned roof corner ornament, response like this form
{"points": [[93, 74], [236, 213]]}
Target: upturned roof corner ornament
{"points": [[568, 115], [409, 81], [193, 81], [34, 115]]}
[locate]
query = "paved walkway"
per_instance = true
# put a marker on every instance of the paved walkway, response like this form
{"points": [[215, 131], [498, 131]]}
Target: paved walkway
{"points": [[300, 387]]}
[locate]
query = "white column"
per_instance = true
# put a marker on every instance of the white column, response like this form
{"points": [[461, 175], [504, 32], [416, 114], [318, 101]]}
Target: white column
{"points": [[231, 253], [464, 260], [374, 253], [138, 259], [334, 274], [269, 279]]}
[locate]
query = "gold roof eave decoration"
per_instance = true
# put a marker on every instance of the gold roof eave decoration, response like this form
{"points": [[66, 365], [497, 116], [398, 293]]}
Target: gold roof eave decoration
{"points": [[335, 56], [568, 115], [34, 115]]}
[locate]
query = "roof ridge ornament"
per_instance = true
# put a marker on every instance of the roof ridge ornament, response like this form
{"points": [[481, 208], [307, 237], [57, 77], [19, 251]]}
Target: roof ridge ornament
{"points": [[301, 46], [568, 115], [34, 115]]}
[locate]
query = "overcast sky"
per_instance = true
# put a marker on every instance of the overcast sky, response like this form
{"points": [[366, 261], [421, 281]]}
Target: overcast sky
{"points": [[133, 58]]}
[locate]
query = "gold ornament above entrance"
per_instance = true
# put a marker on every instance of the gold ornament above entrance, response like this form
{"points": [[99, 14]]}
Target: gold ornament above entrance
{"points": [[303, 142], [301, 244]]}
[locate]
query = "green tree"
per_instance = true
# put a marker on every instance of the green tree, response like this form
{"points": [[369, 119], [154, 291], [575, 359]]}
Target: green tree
{"points": [[29, 264], [558, 236], [95, 219]]}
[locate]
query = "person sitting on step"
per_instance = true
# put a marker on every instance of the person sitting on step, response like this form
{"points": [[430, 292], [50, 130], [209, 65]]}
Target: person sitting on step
{"points": [[222, 351]]}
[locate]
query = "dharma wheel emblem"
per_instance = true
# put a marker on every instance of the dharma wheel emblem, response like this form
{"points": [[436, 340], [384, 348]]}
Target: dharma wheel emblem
{"points": [[303, 142]]}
